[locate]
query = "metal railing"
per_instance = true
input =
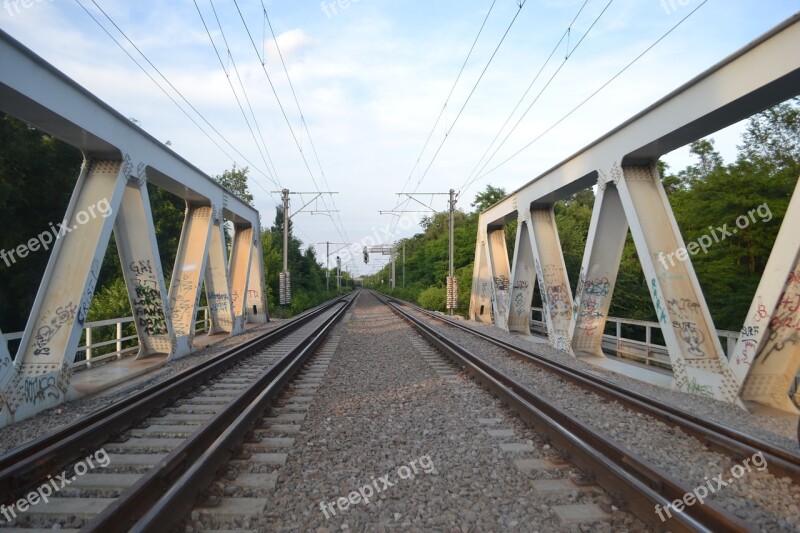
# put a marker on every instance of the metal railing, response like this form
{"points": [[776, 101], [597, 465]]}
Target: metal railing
{"points": [[85, 355], [646, 351]]}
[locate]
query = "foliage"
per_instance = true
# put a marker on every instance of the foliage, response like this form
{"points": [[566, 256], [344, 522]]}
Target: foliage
{"points": [[235, 180], [706, 194]]}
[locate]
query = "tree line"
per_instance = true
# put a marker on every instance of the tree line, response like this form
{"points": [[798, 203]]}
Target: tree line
{"points": [[704, 196], [37, 176]]}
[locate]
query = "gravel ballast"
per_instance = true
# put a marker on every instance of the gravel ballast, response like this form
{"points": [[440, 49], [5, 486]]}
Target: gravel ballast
{"points": [[381, 408], [755, 496]]}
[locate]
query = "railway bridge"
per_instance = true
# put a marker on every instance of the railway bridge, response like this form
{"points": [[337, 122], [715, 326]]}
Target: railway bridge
{"points": [[370, 413]]}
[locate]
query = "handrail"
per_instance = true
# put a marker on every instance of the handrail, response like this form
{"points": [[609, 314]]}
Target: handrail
{"points": [[84, 356]]}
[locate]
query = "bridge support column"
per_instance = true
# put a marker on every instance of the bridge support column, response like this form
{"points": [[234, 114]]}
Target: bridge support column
{"points": [[552, 275], [601, 260], [523, 275], [7, 370], [699, 365], [190, 265], [256, 301], [480, 302], [240, 272], [766, 358], [141, 267], [59, 312], [500, 271], [218, 291]]}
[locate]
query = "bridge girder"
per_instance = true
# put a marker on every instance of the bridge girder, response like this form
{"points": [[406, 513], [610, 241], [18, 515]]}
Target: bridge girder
{"points": [[622, 164], [119, 160]]}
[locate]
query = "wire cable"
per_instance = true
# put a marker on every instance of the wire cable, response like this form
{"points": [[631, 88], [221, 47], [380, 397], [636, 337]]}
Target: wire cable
{"points": [[588, 98], [193, 108], [565, 35], [233, 90]]}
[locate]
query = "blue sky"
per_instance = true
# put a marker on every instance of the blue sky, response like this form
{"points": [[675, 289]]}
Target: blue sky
{"points": [[372, 77]]}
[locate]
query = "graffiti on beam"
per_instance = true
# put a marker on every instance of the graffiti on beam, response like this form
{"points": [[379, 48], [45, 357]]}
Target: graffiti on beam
{"points": [[183, 304], [591, 315], [521, 295], [45, 334], [40, 389], [140, 267], [218, 301], [692, 336], [694, 387], [661, 310], [784, 326], [148, 308], [597, 287], [148, 304], [501, 285]]}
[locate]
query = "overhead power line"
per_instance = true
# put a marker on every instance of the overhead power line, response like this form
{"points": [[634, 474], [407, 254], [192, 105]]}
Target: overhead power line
{"points": [[166, 80], [233, 90], [588, 98], [280, 104], [303, 123], [520, 4], [564, 36]]}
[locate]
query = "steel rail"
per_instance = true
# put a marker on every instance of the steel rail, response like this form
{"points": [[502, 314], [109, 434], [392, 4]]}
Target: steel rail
{"points": [[27, 465], [181, 496], [168, 491], [633, 483], [737, 444]]}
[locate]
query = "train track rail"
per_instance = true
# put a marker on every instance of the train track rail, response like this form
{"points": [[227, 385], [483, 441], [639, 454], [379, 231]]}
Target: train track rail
{"points": [[638, 486], [735, 443], [170, 439]]}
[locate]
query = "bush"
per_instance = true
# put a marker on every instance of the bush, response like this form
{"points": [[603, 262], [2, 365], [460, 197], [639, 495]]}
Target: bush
{"points": [[433, 299]]}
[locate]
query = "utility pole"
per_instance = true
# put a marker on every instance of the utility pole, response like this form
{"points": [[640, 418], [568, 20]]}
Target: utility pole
{"points": [[452, 282], [338, 274], [328, 260], [404, 264], [285, 282], [285, 278]]}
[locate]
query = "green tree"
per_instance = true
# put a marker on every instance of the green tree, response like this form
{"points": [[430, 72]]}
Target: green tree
{"points": [[235, 180]]}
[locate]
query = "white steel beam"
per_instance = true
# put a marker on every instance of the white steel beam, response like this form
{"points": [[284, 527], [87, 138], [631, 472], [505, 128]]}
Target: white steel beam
{"points": [[552, 276], [187, 275], [141, 267], [766, 358], [480, 302], [218, 291], [61, 306], [240, 272], [523, 276], [256, 301], [501, 272], [698, 361], [601, 259]]}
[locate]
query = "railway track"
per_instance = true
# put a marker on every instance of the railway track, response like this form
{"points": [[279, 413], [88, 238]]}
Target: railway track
{"points": [[639, 486], [143, 463]]}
